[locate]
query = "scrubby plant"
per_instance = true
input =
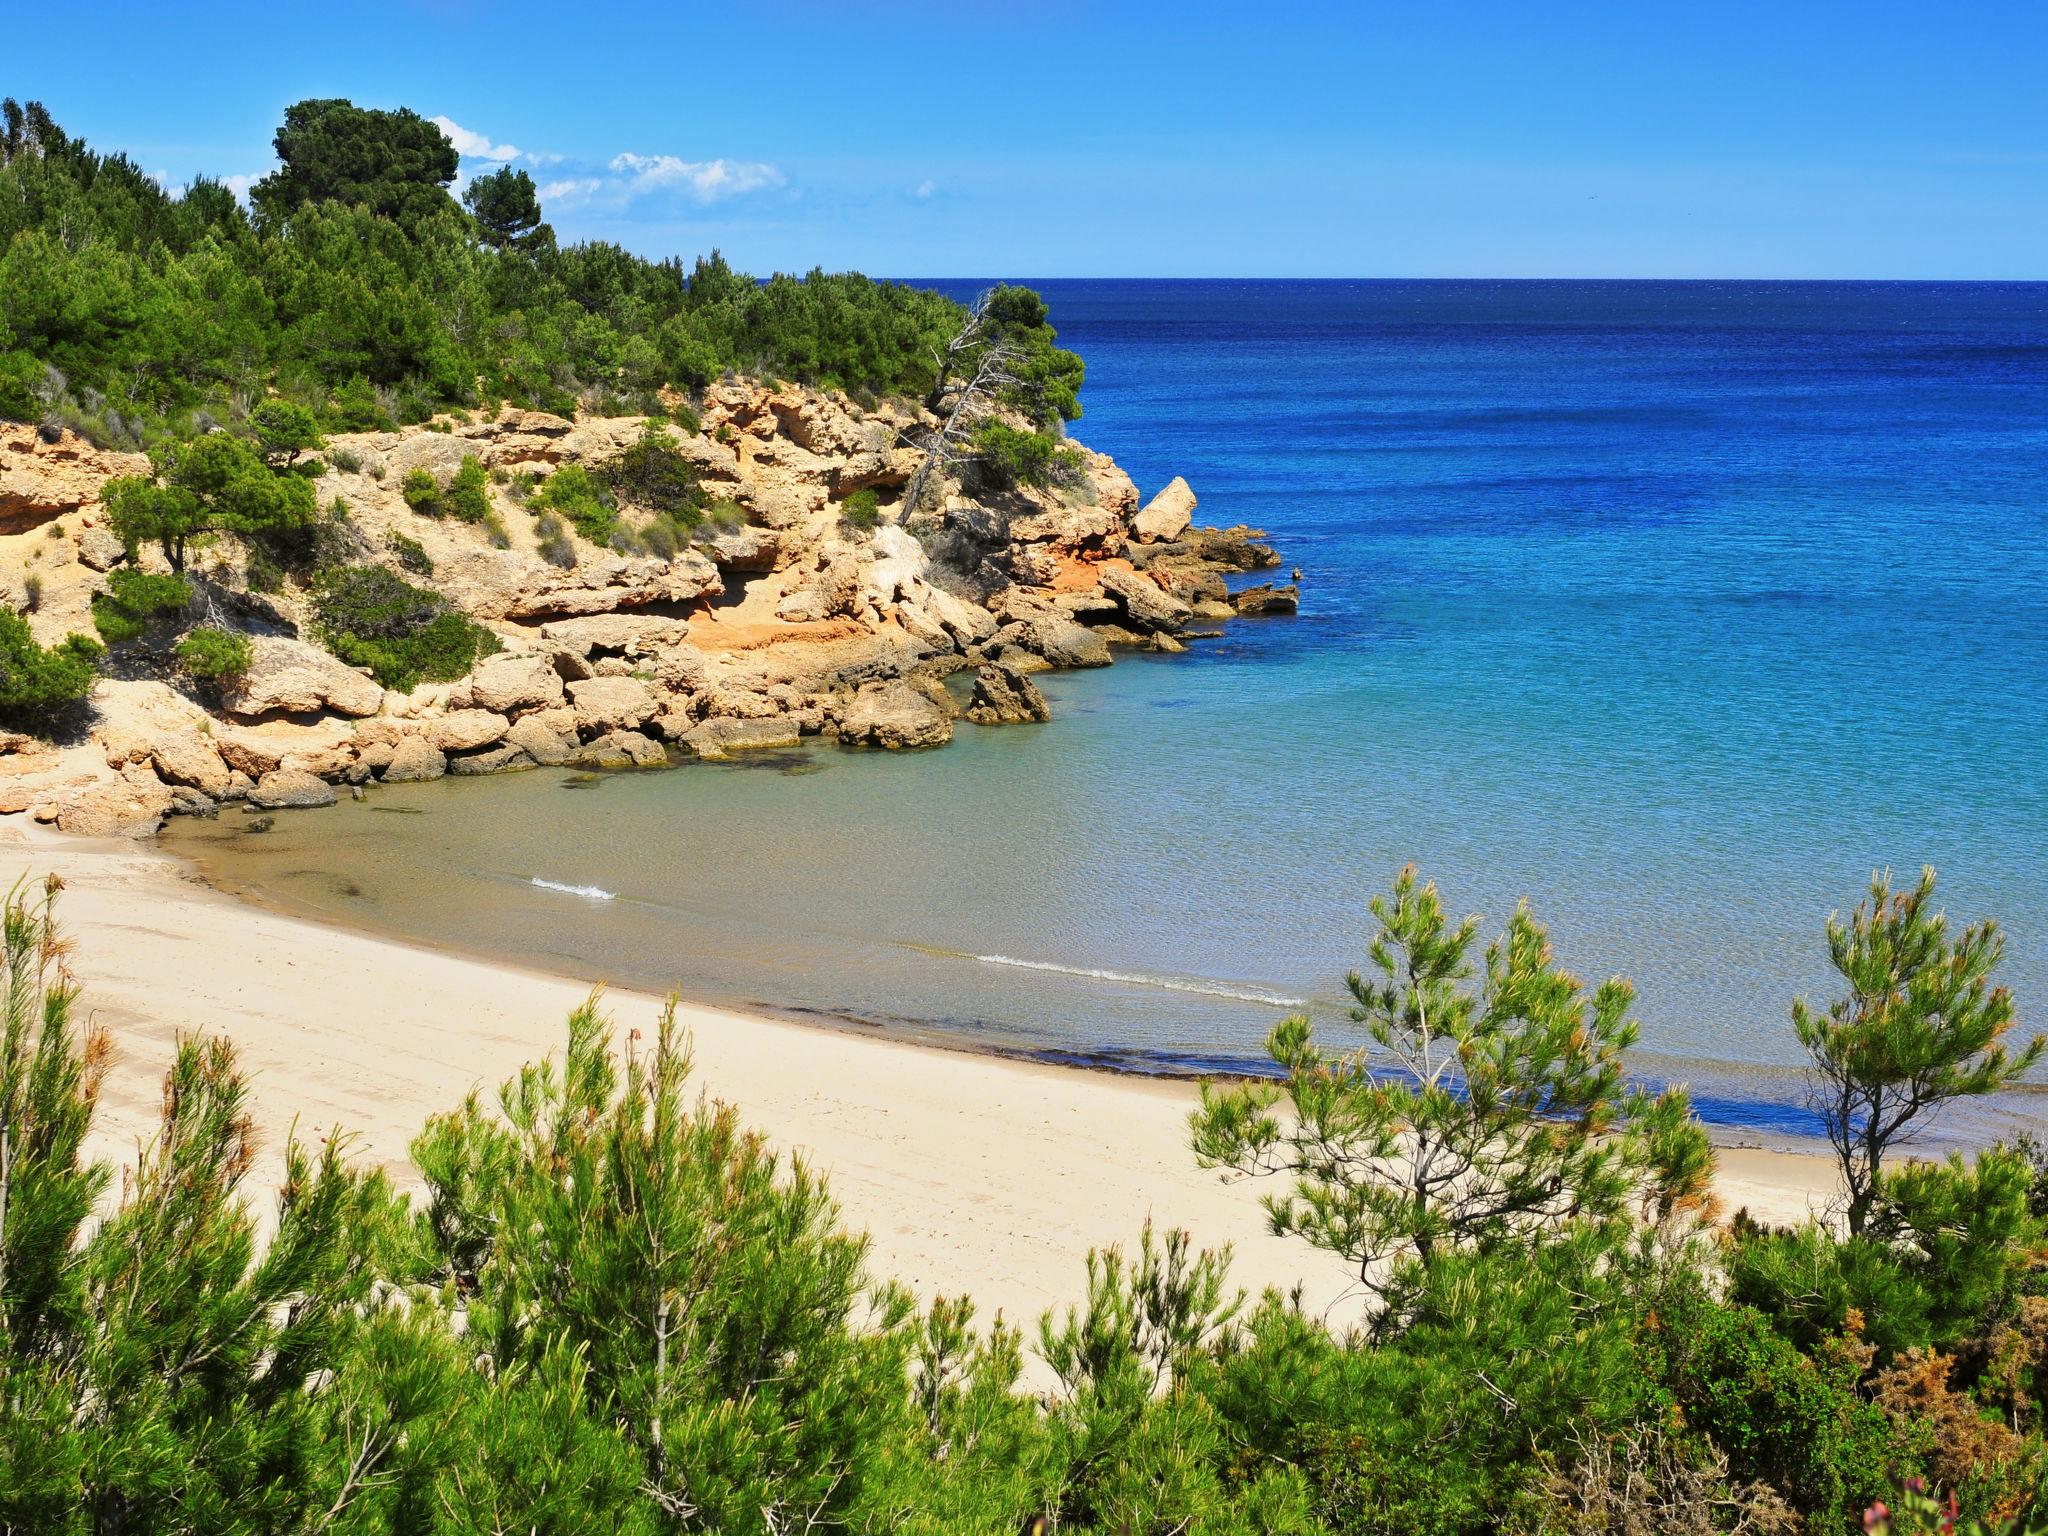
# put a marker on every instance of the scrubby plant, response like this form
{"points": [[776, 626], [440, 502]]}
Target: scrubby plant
{"points": [[134, 597], [577, 496], [31, 591], [653, 475], [1005, 456], [685, 416], [468, 497], [409, 553], [421, 491], [347, 460], [860, 510], [42, 690], [284, 431], [555, 545], [371, 617], [213, 656]]}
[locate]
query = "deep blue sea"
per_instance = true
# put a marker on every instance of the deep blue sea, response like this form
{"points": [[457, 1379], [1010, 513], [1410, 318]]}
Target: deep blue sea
{"points": [[1676, 608]]}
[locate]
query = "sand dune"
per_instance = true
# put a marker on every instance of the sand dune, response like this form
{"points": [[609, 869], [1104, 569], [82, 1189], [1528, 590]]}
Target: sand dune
{"points": [[972, 1173]]}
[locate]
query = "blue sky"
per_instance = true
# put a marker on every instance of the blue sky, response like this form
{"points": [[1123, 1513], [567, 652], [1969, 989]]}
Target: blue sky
{"points": [[1060, 138]]}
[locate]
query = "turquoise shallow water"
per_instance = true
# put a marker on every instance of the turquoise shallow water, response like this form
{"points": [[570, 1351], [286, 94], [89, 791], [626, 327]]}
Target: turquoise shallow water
{"points": [[1677, 608]]}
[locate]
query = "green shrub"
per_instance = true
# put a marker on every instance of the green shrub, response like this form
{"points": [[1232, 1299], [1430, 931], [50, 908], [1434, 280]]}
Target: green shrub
{"points": [[346, 460], [422, 492], [685, 416], [555, 547], [495, 532], [1007, 456], [468, 497], [575, 494], [860, 510], [42, 690], [355, 407], [134, 597], [371, 617], [213, 655], [409, 553], [654, 475]]}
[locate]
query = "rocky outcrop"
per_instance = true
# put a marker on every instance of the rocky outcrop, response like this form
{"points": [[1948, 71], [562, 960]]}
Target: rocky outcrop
{"points": [[1267, 599], [1167, 515], [46, 477], [893, 716], [1005, 696], [791, 623], [294, 678]]}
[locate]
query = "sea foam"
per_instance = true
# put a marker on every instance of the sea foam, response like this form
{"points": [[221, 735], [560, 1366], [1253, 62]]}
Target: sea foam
{"points": [[594, 892]]}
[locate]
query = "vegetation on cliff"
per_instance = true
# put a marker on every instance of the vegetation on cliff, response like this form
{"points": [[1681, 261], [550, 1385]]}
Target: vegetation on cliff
{"points": [[612, 1308], [357, 288]]}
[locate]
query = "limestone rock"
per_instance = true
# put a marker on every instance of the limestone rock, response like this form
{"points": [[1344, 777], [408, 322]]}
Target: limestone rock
{"points": [[626, 633], [500, 759], [290, 789], [746, 549], [1266, 599], [1144, 601], [464, 730], [414, 759], [41, 480], [540, 741], [510, 684], [100, 549], [1072, 530], [131, 806], [190, 760], [292, 677], [1005, 696], [1060, 641], [612, 703], [1167, 515], [621, 749], [893, 716], [716, 740]]}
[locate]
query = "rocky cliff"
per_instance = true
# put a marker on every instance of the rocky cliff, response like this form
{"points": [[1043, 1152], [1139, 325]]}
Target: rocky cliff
{"points": [[790, 623]]}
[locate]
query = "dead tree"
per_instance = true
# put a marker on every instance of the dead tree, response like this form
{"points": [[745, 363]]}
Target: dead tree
{"points": [[975, 369]]}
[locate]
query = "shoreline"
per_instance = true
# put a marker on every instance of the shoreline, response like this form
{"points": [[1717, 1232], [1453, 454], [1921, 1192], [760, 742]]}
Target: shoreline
{"points": [[961, 1165]]}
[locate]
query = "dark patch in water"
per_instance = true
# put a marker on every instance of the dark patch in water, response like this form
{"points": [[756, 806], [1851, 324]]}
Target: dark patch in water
{"points": [[398, 810]]}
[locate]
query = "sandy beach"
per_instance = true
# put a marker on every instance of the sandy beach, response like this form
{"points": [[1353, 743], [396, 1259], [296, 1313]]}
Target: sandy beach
{"points": [[972, 1173]]}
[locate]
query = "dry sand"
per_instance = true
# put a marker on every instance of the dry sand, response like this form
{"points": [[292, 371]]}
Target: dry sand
{"points": [[972, 1173]]}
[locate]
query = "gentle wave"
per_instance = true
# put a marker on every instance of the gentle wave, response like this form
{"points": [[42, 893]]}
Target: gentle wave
{"points": [[1138, 979], [594, 892]]}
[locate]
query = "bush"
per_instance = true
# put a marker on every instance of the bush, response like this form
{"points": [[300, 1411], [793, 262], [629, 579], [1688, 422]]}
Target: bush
{"points": [[41, 691], [555, 547], [213, 655], [409, 553], [371, 617], [653, 475], [468, 498], [860, 510], [31, 592], [134, 597], [685, 416], [346, 460], [422, 492], [1007, 456], [574, 494]]}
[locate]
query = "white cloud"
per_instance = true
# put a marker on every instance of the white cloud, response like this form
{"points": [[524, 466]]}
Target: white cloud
{"points": [[705, 180], [240, 185], [475, 146], [927, 187], [572, 189]]}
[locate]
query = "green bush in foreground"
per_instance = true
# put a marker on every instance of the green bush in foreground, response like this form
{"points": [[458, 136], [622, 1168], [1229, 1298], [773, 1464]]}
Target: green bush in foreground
{"points": [[581, 500], [613, 1309], [406, 635]]}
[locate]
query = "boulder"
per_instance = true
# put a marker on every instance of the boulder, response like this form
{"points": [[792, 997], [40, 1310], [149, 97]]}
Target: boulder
{"points": [[612, 703], [540, 741], [621, 749], [1005, 696], [1060, 641], [134, 805], [1266, 599], [510, 684], [893, 716], [290, 789], [100, 549], [716, 740], [500, 759], [1145, 603], [464, 730], [292, 677], [192, 761], [625, 633], [746, 549], [1071, 530], [40, 480], [1167, 515], [414, 759]]}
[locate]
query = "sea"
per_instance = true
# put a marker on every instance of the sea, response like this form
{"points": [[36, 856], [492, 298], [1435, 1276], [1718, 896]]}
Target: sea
{"points": [[1675, 609]]}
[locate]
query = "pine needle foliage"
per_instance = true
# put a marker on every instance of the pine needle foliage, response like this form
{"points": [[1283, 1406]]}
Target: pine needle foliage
{"points": [[1488, 1116], [1919, 1027]]}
